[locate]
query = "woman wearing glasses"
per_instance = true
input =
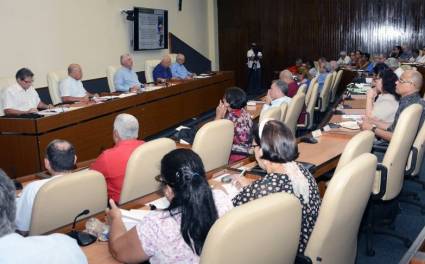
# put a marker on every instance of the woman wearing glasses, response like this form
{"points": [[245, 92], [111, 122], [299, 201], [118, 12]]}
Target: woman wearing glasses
{"points": [[275, 151], [176, 234], [382, 99]]}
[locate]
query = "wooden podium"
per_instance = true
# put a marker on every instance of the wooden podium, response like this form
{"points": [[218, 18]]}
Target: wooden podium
{"points": [[89, 128]]}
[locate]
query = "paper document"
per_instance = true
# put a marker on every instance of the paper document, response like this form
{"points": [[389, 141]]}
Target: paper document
{"points": [[133, 217], [349, 125], [354, 117]]}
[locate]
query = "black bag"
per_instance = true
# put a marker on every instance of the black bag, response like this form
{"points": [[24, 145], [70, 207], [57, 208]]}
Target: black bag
{"points": [[186, 134]]}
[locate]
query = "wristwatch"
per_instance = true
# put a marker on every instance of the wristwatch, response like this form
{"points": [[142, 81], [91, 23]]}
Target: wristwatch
{"points": [[374, 128]]}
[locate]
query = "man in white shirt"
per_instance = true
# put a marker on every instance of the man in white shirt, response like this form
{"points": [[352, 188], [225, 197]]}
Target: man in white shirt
{"points": [[276, 95], [21, 98], [71, 88], [14, 248], [415, 56], [343, 59], [60, 160]]}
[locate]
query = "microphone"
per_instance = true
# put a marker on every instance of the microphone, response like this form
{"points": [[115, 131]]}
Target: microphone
{"points": [[83, 238], [85, 212]]}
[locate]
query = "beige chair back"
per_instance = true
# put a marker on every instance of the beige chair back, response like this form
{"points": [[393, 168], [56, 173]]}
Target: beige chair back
{"points": [[60, 200], [419, 148], [335, 86], [266, 230], [395, 158], [302, 89], [325, 93], [5, 83], [272, 113], [310, 90], [334, 237], [213, 143], [310, 107], [53, 80], [294, 110], [149, 66], [142, 167], [110, 74], [283, 111], [359, 144]]}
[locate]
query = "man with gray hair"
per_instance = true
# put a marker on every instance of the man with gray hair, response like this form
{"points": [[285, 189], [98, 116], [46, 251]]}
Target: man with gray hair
{"points": [[286, 77], [178, 70], [408, 87], [125, 79], [112, 162], [276, 95], [344, 59], [35, 249], [59, 160]]}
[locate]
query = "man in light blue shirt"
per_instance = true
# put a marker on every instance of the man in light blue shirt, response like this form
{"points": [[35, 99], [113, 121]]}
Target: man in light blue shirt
{"points": [[178, 70], [14, 248], [276, 95], [125, 79]]}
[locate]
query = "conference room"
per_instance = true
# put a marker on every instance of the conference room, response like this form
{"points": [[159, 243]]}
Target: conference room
{"points": [[212, 132]]}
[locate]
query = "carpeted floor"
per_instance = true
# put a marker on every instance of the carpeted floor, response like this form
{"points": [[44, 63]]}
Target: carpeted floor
{"points": [[409, 222]]}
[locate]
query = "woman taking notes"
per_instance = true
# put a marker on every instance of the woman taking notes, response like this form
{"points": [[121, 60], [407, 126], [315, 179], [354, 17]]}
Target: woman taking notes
{"points": [[176, 234]]}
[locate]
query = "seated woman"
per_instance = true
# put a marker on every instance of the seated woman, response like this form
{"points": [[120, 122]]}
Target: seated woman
{"points": [[382, 100], [176, 234], [275, 151], [232, 107]]}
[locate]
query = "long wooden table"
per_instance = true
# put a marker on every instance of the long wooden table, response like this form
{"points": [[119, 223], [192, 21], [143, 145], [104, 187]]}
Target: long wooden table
{"points": [[89, 128]]}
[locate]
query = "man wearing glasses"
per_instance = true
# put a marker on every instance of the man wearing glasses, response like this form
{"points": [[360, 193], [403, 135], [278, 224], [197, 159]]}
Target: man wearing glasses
{"points": [[21, 98], [408, 87]]}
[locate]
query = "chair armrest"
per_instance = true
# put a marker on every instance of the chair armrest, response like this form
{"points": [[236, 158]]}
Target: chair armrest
{"points": [[302, 259], [412, 166], [383, 186]]}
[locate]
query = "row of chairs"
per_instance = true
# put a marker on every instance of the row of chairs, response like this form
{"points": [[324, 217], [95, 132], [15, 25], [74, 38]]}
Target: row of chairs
{"points": [[54, 78], [53, 207]]}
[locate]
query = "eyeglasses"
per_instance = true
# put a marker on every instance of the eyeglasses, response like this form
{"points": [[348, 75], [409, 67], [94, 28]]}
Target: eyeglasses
{"points": [[159, 179], [253, 146], [405, 81]]}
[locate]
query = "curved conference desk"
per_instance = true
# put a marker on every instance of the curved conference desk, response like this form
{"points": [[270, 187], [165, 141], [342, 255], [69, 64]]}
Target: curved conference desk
{"points": [[89, 127]]}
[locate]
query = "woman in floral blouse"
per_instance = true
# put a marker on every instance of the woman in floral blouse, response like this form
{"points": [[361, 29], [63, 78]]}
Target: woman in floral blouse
{"points": [[232, 107], [275, 151]]}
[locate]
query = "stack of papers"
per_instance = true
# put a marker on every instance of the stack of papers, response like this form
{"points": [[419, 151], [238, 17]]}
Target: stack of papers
{"points": [[53, 111], [350, 125], [352, 117], [134, 216]]}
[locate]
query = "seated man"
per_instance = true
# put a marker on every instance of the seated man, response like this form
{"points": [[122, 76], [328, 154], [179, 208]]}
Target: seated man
{"points": [[125, 79], [286, 77], [344, 59], [408, 88], [162, 72], [365, 63], [21, 98], [276, 95], [178, 70], [71, 89], [60, 160], [113, 162], [55, 248]]}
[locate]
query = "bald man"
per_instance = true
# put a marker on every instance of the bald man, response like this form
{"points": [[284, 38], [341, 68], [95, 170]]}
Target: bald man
{"points": [[71, 88], [162, 71], [178, 70], [125, 79], [286, 77], [408, 87]]}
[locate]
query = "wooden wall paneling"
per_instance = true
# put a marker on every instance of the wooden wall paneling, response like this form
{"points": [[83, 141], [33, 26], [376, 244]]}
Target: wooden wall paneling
{"points": [[313, 28]]}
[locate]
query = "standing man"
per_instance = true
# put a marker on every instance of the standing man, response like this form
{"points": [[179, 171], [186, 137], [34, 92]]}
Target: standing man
{"points": [[71, 88], [162, 71], [254, 56], [178, 70], [21, 98], [125, 79]]}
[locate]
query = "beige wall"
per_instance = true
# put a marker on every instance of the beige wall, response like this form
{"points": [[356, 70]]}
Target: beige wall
{"points": [[46, 35]]}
